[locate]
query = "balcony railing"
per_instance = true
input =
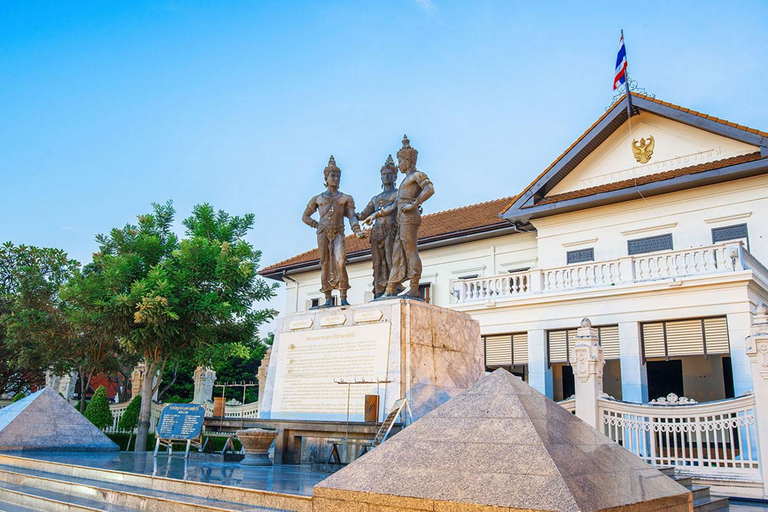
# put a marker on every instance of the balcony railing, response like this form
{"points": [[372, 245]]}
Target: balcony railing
{"points": [[711, 259]]}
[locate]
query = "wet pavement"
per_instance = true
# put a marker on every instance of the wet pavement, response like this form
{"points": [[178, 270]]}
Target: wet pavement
{"points": [[286, 479]]}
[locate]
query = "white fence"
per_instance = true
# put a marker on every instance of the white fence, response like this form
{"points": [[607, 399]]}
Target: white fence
{"points": [[118, 410], [230, 411], [714, 439], [712, 259]]}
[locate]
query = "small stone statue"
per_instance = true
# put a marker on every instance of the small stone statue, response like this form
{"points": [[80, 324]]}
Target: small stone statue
{"points": [[384, 230], [414, 190], [333, 207]]}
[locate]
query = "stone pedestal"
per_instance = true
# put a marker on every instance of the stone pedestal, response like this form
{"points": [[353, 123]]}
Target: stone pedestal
{"points": [[429, 354], [261, 374]]}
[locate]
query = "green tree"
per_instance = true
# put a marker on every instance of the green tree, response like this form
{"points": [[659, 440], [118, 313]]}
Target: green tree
{"points": [[171, 299], [31, 321], [98, 409], [130, 418]]}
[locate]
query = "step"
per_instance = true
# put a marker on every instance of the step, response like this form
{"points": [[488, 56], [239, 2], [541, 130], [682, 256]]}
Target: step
{"points": [[44, 500], [132, 489], [699, 491], [6, 506], [709, 504], [667, 470], [685, 481], [119, 494]]}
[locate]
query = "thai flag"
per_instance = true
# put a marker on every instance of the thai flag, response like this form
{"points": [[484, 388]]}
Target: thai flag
{"points": [[621, 65]]}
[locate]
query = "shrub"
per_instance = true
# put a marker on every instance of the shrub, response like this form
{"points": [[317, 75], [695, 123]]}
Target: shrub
{"points": [[176, 399], [121, 439], [130, 419], [18, 396], [98, 409]]}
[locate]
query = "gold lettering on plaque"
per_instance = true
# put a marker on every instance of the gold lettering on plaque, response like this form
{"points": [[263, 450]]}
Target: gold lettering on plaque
{"points": [[371, 315], [330, 320], [304, 323], [643, 150]]}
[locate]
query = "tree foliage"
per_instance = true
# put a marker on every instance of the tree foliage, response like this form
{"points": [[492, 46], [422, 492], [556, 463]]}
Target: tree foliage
{"points": [[31, 320], [98, 409], [169, 299], [130, 418]]}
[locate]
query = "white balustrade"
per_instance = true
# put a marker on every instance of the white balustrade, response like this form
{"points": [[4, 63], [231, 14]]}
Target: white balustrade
{"points": [[714, 439], [712, 259], [118, 410]]}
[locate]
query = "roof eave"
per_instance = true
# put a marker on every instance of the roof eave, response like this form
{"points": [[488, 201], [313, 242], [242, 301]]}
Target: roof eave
{"points": [[733, 172], [468, 235]]}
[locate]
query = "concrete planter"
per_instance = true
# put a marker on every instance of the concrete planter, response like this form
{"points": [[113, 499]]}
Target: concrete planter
{"points": [[256, 444]]}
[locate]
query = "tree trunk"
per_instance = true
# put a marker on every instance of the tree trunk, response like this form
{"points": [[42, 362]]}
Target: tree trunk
{"points": [[142, 432], [81, 375]]}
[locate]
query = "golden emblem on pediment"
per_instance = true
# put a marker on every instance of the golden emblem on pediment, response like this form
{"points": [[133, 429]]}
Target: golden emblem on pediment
{"points": [[643, 150]]}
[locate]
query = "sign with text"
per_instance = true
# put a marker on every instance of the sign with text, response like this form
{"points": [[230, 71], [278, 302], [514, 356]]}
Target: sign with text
{"points": [[181, 421], [308, 363]]}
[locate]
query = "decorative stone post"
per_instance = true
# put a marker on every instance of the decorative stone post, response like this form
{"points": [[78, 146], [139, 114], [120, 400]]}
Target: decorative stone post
{"points": [[137, 377], [204, 379], [757, 350], [261, 375], [64, 385], [588, 364]]}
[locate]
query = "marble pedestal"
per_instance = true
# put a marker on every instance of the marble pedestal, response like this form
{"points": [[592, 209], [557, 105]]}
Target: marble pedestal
{"points": [[429, 354]]}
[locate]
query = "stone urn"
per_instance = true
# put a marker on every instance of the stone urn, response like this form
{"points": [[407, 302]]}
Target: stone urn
{"points": [[256, 444]]}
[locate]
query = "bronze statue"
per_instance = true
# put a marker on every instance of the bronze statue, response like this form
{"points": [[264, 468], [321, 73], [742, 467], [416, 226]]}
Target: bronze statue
{"points": [[414, 190], [384, 230], [333, 206]]}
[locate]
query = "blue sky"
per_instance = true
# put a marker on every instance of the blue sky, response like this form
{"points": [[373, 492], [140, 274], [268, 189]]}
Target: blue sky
{"points": [[107, 106]]}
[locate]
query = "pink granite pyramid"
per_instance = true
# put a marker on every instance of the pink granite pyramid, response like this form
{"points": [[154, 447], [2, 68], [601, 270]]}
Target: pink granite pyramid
{"points": [[500, 445], [44, 421]]}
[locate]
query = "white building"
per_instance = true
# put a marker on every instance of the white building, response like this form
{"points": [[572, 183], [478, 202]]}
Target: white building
{"points": [[662, 253]]}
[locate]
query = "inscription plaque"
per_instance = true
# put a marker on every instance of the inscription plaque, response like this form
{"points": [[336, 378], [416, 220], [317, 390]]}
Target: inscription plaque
{"points": [[309, 361], [304, 323], [181, 421], [331, 320]]}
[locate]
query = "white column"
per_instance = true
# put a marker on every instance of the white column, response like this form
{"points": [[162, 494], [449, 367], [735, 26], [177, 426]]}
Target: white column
{"points": [[137, 377], [539, 372], [204, 379], [739, 327], [634, 374], [588, 364], [757, 352]]}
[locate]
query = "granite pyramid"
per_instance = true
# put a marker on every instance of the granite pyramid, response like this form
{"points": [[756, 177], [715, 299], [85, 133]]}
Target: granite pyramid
{"points": [[45, 421], [500, 445]]}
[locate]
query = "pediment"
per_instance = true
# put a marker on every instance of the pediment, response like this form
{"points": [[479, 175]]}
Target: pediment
{"points": [[676, 145]]}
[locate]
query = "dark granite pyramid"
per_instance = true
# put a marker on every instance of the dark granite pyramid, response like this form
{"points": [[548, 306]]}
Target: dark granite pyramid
{"points": [[45, 421], [500, 445]]}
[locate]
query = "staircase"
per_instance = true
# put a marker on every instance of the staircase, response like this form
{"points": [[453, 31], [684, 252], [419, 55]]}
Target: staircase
{"points": [[34, 485], [702, 500]]}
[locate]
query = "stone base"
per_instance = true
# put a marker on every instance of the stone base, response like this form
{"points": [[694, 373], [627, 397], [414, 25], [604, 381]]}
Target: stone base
{"points": [[429, 354], [256, 459]]}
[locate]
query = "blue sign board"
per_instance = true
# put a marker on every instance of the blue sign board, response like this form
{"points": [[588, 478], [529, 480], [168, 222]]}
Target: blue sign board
{"points": [[181, 421]]}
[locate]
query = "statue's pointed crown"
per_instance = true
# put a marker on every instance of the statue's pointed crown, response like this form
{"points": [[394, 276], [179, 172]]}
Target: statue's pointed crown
{"points": [[389, 164], [407, 151], [331, 166]]}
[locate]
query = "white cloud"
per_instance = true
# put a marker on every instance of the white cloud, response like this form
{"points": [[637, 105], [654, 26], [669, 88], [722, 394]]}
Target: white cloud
{"points": [[427, 5]]}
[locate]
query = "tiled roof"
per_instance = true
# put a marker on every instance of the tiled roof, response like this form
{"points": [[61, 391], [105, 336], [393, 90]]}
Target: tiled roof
{"points": [[615, 105], [435, 226], [651, 178]]}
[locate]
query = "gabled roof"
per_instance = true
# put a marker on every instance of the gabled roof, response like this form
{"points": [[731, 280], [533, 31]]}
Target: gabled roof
{"points": [[531, 202], [446, 225]]}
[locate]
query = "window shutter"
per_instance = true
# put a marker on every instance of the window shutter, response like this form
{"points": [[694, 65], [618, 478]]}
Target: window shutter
{"points": [[558, 346], [685, 338], [699, 336], [520, 348], [653, 340], [716, 335], [498, 350], [609, 340]]}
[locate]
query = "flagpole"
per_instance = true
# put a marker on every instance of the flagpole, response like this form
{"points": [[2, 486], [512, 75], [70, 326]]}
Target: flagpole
{"points": [[626, 81]]}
